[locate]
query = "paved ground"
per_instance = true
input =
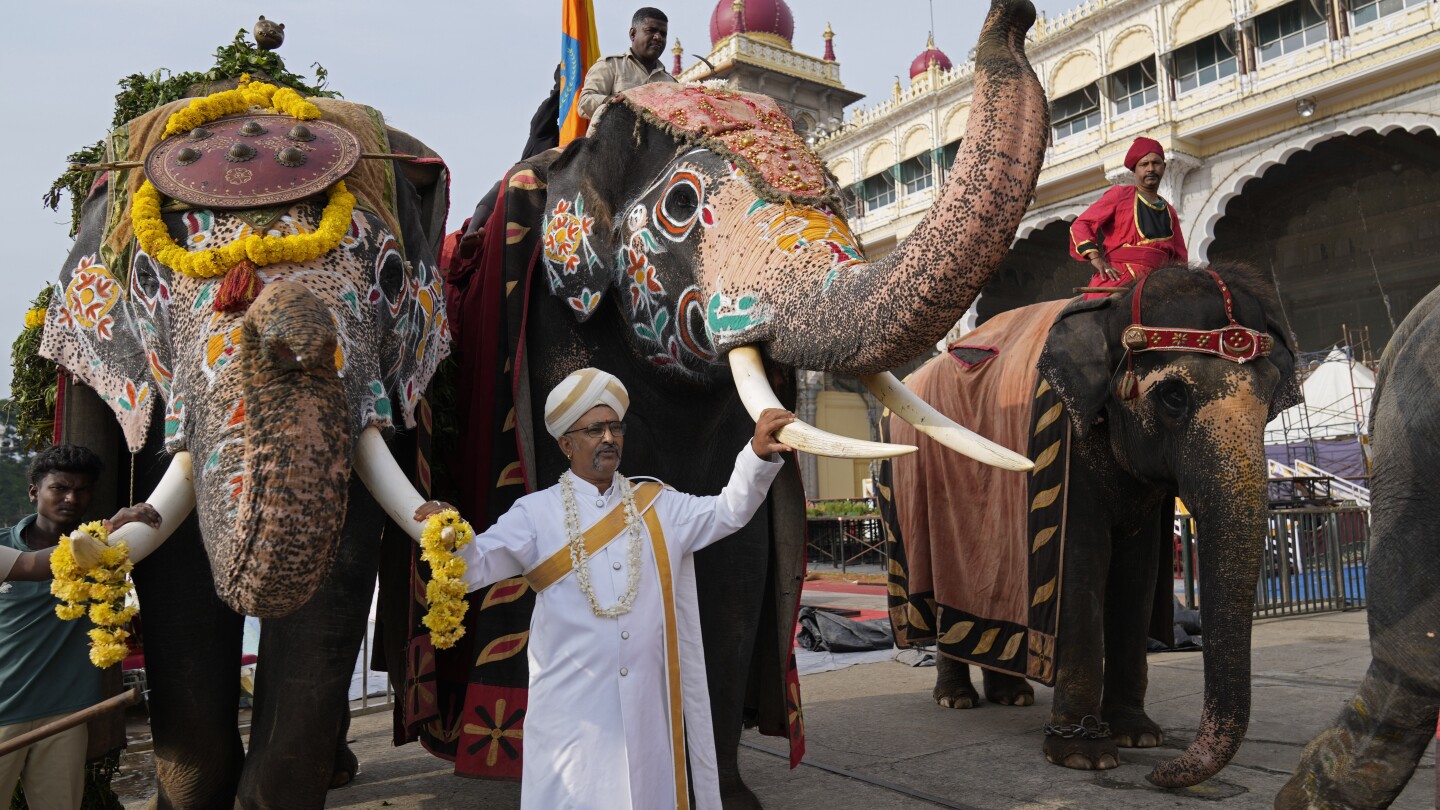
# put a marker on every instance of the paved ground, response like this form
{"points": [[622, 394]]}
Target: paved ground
{"points": [[877, 722]]}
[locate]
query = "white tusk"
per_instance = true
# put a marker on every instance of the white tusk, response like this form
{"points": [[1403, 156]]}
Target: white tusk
{"points": [[387, 482], [173, 498], [905, 404], [756, 393]]}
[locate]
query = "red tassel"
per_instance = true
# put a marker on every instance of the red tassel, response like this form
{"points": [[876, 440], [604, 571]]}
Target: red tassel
{"points": [[239, 288]]}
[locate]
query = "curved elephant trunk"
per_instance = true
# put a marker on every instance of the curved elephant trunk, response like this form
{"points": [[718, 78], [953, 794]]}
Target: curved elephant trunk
{"points": [[1229, 502], [892, 310], [272, 544]]}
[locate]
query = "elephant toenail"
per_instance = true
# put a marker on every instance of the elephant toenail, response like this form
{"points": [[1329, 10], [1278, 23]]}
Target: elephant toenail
{"points": [[1107, 762], [947, 703], [1078, 762]]}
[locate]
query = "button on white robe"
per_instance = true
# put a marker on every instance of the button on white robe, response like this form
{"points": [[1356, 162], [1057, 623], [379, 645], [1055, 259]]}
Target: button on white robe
{"points": [[597, 733]]}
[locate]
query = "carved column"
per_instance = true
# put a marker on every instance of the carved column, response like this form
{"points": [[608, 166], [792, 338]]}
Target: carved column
{"points": [[1178, 166]]}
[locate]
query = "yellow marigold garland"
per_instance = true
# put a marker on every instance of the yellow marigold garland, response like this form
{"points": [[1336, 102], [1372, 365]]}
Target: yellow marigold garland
{"points": [[260, 250], [443, 534], [104, 586], [34, 318], [249, 94]]}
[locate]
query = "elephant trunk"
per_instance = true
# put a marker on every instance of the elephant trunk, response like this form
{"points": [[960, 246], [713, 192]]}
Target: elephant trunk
{"points": [[881, 315], [1227, 492], [273, 540]]}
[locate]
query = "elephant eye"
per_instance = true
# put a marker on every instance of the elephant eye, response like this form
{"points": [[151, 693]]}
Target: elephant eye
{"points": [[678, 205], [1172, 397]]}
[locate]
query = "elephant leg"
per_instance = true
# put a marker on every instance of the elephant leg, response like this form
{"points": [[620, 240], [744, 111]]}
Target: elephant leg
{"points": [[1072, 739], [1007, 690], [730, 582], [1368, 755], [953, 688], [347, 765], [192, 668], [1128, 603], [303, 677]]}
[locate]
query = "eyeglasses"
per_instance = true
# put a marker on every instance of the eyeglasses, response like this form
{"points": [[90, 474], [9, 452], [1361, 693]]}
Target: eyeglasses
{"points": [[597, 430]]}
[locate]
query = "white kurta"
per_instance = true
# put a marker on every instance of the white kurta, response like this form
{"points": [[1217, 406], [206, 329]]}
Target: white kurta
{"points": [[597, 733]]}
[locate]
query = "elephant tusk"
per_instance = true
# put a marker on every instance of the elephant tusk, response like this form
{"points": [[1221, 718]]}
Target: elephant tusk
{"points": [[756, 393], [173, 498], [387, 482], [905, 404]]}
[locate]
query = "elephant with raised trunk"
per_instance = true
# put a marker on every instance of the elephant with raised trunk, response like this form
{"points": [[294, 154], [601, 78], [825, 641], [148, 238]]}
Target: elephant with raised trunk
{"points": [[691, 230], [274, 400], [1365, 759], [1122, 403]]}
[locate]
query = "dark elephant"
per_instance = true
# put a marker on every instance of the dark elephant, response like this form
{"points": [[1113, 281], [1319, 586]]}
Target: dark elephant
{"points": [[659, 252], [270, 402], [1367, 756], [1095, 515]]}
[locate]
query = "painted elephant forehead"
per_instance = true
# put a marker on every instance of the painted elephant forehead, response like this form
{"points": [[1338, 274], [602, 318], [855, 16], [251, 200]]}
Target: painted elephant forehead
{"points": [[747, 129]]}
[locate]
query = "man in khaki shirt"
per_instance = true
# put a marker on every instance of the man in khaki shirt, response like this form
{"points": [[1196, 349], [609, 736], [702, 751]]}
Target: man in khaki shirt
{"points": [[639, 65]]}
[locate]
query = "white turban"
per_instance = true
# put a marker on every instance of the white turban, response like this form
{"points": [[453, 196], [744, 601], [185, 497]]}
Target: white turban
{"points": [[580, 392]]}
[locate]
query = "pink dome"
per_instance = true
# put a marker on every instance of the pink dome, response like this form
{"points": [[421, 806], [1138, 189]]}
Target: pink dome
{"points": [[922, 62], [761, 17]]}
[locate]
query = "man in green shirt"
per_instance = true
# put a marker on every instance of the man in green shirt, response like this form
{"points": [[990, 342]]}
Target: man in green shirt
{"points": [[45, 664]]}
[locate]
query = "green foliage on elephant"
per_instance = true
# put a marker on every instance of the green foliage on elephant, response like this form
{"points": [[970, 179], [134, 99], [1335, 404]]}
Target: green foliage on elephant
{"points": [[33, 388], [140, 93]]}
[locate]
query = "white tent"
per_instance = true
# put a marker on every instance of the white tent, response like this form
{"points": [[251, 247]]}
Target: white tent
{"points": [[1336, 403]]}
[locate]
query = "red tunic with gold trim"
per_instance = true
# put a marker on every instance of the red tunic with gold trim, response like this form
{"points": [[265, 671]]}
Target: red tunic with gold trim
{"points": [[1134, 234]]}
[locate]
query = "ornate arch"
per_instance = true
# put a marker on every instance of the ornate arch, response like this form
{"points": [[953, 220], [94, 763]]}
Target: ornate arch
{"points": [[844, 171], [865, 162], [955, 121], [1059, 212], [1182, 14], [1200, 225], [1122, 39], [1065, 62], [906, 152]]}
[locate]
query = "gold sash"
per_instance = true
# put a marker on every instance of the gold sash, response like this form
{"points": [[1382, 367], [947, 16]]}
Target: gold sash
{"points": [[596, 537], [672, 660]]}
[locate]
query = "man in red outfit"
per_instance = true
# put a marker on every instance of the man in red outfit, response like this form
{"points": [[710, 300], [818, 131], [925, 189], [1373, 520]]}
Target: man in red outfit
{"points": [[1131, 230]]}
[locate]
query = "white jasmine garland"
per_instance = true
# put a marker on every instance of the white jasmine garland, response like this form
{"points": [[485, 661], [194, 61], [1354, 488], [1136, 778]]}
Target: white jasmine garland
{"points": [[580, 558]]}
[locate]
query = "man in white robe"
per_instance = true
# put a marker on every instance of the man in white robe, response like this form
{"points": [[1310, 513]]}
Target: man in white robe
{"points": [[618, 696]]}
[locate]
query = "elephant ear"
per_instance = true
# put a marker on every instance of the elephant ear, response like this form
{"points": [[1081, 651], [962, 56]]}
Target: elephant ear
{"points": [[1287, 393], [1078, 359], [109, 327], [588, 187]]}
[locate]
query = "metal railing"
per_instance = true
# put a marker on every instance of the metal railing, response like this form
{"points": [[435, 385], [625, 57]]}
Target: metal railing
{"points": [[843, 540], [1314, 561]]}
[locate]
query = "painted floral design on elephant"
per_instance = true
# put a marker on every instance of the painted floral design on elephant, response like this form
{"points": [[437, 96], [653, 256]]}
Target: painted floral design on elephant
{"points": [[567, 237], [89, 297], [794, 228]]}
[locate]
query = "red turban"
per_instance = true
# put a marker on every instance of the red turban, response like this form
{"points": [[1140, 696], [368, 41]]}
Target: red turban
{"points": [[1141, 148]]}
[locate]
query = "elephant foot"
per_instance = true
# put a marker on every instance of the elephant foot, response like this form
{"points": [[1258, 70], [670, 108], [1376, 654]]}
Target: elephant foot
{"points": [[1082, 755], [1134, 729], [347, 765], [953, 689], [1298, 794], [1008, 690], [735, 795]]}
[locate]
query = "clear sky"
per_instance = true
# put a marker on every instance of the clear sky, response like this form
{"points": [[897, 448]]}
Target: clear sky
{"points": [[462, 75]]}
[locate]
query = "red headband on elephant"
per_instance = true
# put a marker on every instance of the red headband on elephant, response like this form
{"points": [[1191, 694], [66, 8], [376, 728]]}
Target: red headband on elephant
{"points": [[1233, 342]]}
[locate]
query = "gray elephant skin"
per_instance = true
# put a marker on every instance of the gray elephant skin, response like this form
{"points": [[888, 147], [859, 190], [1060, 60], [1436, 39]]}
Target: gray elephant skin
{"points": [[1370, 752], [1194, 428], [682, 261], [268, 402]]}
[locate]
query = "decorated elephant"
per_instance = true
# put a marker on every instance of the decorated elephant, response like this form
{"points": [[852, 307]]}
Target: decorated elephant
{"points": [[1122, 403], [264, 323], [1367, 756], [691, 229]]}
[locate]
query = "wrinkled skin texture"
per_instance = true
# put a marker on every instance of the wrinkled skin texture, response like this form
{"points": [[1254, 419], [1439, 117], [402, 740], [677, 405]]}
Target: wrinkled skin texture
{"points": [[683, 262], [268, 402], [1195, 429], [1365, 759]]}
